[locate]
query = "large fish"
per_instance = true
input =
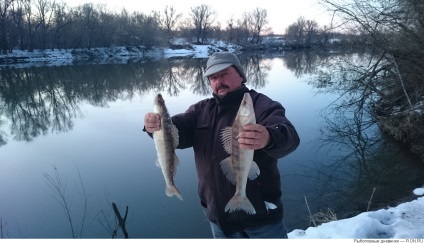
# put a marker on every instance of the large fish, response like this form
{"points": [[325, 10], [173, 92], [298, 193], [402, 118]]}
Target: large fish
{"points": [[166, 140], [240, 165]]}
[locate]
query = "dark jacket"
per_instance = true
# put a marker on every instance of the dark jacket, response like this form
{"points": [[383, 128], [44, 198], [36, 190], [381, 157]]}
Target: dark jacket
{"points": [[200, 127]]}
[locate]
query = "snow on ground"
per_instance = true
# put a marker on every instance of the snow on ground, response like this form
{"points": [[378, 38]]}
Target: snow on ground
{"points": [[406, 221], [19, 59], [117, 55]]}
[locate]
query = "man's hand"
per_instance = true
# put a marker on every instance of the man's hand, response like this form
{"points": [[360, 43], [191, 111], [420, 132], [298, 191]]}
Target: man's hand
{"points": [[253, 137], [152, 122]]}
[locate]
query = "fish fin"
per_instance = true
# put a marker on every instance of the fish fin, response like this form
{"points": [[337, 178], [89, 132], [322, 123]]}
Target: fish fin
{"points": [[269, 205], [173, 191], [157, 163], [176, 163], [238, 203], [254, 171], [226, 139], [175, 135], [227, 169]]}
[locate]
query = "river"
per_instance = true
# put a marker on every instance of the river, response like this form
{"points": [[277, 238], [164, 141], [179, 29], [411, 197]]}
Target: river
{"points": [[71, 144]]}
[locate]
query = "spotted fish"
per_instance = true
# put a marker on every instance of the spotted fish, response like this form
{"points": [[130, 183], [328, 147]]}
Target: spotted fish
{"points": [[166, 140], [239, 166]]}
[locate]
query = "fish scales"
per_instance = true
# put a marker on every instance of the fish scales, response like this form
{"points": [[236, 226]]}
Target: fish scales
{"points": [[166, 140], [239, 166]]}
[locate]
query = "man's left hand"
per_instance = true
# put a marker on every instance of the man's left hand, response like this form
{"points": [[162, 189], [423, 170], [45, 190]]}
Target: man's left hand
{"points": [[253, 137]]}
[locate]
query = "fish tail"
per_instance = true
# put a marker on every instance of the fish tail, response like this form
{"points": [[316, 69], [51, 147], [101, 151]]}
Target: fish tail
{"points": [[238, 203], [173, 191]]}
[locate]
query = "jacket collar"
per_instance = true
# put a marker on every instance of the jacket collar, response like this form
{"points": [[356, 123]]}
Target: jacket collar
{"points": [[230, 97]]}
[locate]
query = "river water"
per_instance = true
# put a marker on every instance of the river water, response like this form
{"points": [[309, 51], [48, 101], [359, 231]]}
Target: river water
{"points": [[71, 144]]}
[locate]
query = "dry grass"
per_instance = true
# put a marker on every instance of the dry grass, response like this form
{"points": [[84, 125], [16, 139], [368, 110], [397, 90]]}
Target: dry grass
{"points": [[322, 217], [329, 215], [407, 129]]}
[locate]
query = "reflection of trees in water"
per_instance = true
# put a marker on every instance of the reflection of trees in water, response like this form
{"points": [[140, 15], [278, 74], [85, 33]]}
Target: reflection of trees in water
{"points": [[36, 100], [182, 73], [194, 76], [365, 159], [171, 78], [3, 140], [301, 63], [29, 100], [313, 61], [256, 70]]}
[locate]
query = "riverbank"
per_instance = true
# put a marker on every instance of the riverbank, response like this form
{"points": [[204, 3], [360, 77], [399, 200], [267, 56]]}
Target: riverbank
{"points": [[56, 57], [404, 221], [110, 55], [406, 128]]}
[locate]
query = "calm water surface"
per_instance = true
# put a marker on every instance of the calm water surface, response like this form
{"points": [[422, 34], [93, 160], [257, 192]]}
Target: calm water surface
{"points": [[81, 126]]}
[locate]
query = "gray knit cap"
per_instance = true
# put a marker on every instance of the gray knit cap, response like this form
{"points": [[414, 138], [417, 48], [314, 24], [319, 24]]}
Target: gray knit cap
{"points": [[222, 60]]}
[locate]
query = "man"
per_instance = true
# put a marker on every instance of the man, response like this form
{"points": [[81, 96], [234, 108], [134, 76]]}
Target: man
{"points": [[271, 138]]}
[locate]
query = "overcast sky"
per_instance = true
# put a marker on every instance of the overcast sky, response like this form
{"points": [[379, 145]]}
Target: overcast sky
{"points": [[280, 15]]}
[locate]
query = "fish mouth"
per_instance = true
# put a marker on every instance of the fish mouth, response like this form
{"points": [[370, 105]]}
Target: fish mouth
{"points": [[159, 99]]}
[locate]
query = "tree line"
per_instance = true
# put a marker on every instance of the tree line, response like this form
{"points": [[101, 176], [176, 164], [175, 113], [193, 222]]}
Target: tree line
{"points": [[48, 24]]}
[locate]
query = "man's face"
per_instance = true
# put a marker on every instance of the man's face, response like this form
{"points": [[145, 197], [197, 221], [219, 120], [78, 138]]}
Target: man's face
{"points": [[225, 81]]}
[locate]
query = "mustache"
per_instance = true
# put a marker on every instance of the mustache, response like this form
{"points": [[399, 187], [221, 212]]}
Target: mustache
{"points": [[222, 86]]}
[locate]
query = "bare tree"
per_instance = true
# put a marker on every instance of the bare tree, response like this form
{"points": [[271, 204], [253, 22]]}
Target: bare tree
{"points": [[394, 32], [147, 29], [325, 33], [202, 19], [61, 22], [388, 24], [29, 24], [5, 5], [44, 18], [170, 19], [311, 31], [16, 28], [242, 29], [258, 19], [296, 31], [230, 29], [88, 17]]}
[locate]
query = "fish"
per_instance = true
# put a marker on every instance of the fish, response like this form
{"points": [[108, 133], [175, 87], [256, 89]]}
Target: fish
{"points": [[239, 166], [166, 140]]}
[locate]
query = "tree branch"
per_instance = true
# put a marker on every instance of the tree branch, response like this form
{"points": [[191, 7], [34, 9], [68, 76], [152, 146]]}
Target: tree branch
{"points": [[120, 219]]}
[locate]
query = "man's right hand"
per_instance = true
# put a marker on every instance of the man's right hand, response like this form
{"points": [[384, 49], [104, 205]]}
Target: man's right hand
{"points": [[152, 122]]}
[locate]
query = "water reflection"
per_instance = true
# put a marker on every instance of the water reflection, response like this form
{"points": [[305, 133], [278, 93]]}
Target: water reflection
{"points": [[356, 157], [361, 160], [366, 170], [38, 100]]}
